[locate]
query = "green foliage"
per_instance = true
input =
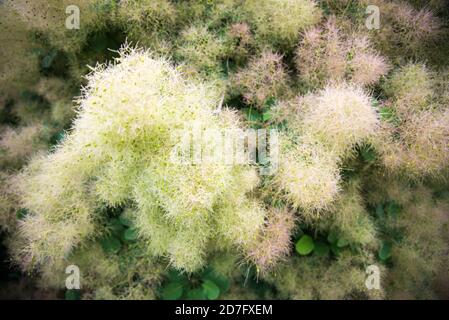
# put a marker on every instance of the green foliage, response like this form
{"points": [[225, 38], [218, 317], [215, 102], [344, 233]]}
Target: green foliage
{"points": [[172, 291], [111, 244], [72, 294], [210, 289], [385, 251], [321, 249], [207, 285], [305, 245], [130, 234]]}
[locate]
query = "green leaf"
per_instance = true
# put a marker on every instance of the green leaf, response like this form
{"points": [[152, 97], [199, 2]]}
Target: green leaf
{"points": [[175, 276], [266, 116], [58, 137], [380, 210], [130, 234], [389, 115], [332, 237], [48, 60], [125, 221], [196, 294], [37, 51], [211, 290], [221, 281], [368, 154], [335, 249], [22, 213], [385, 251], [393, 209], [100, 43], [252, 115], [342, 242], [271, 101], [172, 291], [355, 248], [305, 245], [72, 294], [321, 249], [111, 244], [116, 227]]}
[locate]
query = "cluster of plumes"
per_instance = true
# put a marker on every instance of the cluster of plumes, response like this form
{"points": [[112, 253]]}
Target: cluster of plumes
{"points": [[279, 22], [8, 202], [404, 31], [118, 154], [17, 65], [309, 175], [16, 145], [415, 138], [39, 121], [317, 278], [410, 88], [44, 35], [349, 217], [49, 16], [240, 41], [264, 77], [148, 22], [326, 127], [420, 260], [129, 275], [201, 50], [274, 242], [327, 54], [419, 253]]}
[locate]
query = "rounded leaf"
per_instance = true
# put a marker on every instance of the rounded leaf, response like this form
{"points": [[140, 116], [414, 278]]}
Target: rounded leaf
{"points": [[172, 291], [253, 115], [368, 154], [125, 221], [175, 276], [385, 251], [332, 237], [266, 116], [111, 245], [342, 242], [211, 290], [21, 213], [335, 249], [393, 209], [221, 281], [196, 294], [305, 245], [130, 234], [321, 249], [116, 227], [380, 210], [72, 294]]}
